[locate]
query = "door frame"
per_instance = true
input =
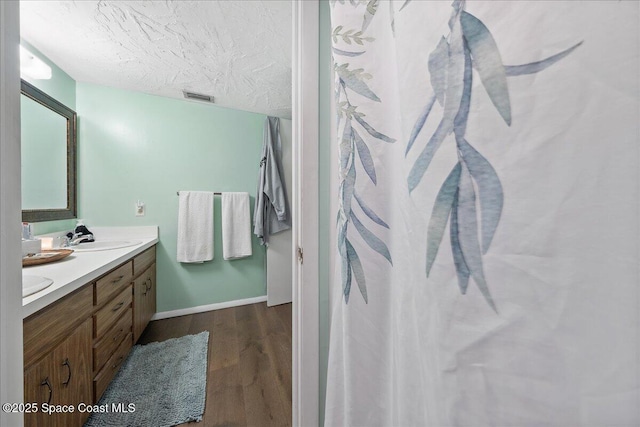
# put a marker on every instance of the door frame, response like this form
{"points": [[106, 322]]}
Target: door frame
{"points": [[11, 380], [305, 311]]}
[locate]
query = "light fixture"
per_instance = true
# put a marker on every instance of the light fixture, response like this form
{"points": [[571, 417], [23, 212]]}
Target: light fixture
{"points": [[33, 67]]}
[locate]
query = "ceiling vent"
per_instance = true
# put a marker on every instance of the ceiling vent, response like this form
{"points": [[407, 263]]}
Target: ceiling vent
{"points": [[197, 96]]}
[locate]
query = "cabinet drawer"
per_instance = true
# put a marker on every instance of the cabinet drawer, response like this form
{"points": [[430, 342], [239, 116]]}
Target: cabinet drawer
{"points": [[112, 283], [49, 326], [111, 312], [112, 366], [144, 260], [104, 348]]}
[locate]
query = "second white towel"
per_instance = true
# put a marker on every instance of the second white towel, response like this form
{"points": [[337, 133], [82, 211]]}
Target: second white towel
{"points": [[236, 226]]}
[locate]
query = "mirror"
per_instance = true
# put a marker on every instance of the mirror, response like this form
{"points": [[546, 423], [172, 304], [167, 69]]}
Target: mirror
{"points": [[48, 145]]}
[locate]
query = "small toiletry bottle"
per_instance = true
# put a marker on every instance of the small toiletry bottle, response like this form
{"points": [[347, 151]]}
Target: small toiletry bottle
{"points": [[27, 233]]}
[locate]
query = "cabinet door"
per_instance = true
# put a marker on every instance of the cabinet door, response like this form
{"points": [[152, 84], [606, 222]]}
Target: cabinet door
{"points": [[63, 377], [38, 389], [151, 295], [74, 368], [140, 290], [144, 303]]}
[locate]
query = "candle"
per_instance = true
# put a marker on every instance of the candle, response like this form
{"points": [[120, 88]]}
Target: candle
{"points": [[47, 243]]}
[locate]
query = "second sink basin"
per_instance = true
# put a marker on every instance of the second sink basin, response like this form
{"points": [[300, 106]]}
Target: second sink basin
{"points": [[104, 245], [33, 284]]}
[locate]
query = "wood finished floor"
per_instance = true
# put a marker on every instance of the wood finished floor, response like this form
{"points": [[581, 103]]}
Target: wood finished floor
{"points": [[249, 362]]}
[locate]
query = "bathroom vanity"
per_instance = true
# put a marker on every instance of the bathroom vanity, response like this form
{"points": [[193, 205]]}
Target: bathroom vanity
{"points": [[78, 333]]}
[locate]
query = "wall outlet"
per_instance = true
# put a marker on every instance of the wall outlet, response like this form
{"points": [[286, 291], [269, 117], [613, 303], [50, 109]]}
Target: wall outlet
{"points": [[139, 208]]}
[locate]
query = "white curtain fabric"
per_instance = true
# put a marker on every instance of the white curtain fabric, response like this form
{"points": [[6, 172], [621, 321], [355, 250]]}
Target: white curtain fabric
{"points": [[489, 216]]}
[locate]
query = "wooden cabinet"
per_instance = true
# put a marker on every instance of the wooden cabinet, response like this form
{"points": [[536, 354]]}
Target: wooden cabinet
{"points": [[110, 284], [107, 345], [112, 337], [144, 290], [63, 377], [111, 368], [144, 297], [108, 315], [74, 347], [144, 260], [47, 327], [38, 389]]}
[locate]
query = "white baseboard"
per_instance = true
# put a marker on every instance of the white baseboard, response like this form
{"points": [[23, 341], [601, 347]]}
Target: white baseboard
{"points": [[208, 307]]}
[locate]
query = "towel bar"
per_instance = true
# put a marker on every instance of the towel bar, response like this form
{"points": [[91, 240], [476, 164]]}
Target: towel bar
{"points": [[215, 194]]}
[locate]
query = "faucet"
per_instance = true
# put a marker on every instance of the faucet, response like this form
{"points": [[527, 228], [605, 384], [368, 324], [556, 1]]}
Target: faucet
{"points": [[78, 235], [77, 238]]}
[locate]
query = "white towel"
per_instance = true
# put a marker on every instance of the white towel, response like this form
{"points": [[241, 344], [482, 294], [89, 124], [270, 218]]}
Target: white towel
{"points": [[195, 226], [236, 226]]}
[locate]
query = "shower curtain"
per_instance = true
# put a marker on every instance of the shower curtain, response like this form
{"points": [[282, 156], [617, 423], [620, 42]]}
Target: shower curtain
{"points": [[488, 220]]}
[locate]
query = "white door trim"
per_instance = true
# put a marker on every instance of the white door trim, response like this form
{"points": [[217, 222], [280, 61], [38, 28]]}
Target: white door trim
{"points": [[305, 320], [11, 378]]}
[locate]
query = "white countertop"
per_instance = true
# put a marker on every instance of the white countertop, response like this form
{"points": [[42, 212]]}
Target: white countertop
{"points": [[80, 268]]}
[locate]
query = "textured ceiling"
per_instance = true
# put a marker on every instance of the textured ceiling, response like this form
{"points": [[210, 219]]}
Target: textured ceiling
{"points": [[238, 51]]}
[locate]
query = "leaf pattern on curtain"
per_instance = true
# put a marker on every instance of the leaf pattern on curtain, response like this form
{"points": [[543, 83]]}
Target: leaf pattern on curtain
{"points": [[471, 198], [355, 142]]}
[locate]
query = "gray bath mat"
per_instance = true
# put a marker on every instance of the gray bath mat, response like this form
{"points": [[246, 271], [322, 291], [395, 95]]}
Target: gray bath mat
{"points": [[165, 381]]}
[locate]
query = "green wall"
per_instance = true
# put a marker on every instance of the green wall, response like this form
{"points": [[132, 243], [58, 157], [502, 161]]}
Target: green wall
{"points": [[133, 146], [62, 88]]}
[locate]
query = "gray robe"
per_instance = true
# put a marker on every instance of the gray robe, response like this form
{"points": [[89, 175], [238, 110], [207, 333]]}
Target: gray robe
{"points": [[271, 210]]}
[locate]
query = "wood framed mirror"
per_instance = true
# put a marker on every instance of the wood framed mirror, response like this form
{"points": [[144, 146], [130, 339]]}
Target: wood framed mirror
{"points": [[48, 146]]}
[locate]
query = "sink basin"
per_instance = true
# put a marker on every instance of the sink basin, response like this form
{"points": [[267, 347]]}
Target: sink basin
{"points": [[104, 245], [33, 284]]}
